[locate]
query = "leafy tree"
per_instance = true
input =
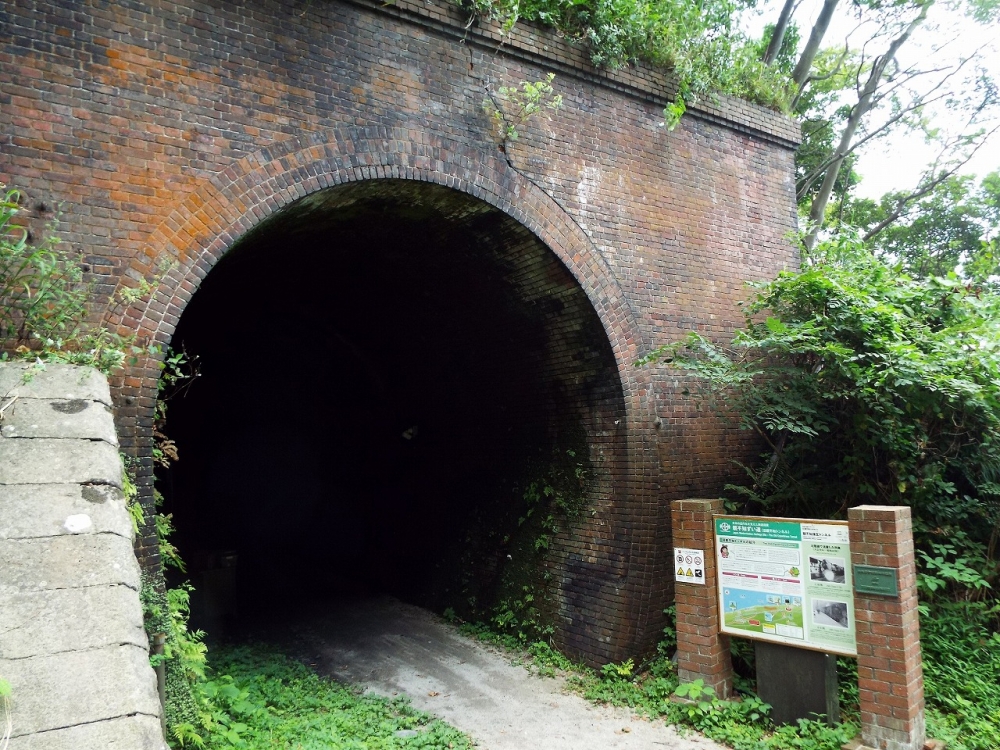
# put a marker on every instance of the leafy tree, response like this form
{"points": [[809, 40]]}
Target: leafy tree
{"points": [[953, 228], [866, 386], [851, 96], [822, 120]]}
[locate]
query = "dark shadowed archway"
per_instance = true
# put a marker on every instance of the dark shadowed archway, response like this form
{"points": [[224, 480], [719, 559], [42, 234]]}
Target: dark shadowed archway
{"points": [[509, 239], [374, 423]]}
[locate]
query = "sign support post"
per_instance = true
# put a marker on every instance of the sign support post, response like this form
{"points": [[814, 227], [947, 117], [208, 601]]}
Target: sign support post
{"points": [[702, 651], [890, 672]]}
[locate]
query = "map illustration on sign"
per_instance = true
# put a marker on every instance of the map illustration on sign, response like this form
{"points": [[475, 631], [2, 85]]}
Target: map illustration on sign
{"points": [[786, 581]]}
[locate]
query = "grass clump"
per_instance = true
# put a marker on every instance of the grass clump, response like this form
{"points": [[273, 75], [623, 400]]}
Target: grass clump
{"points": [[743, 724], [259, 698], [962, 674]]}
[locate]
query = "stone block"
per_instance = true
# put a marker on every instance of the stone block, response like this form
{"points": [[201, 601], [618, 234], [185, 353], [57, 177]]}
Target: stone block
{"points": [[54, 381], [59, 418], [63, 690], [34, 623], [64, 562], [125, 733], [30, 511], [53, 461]]}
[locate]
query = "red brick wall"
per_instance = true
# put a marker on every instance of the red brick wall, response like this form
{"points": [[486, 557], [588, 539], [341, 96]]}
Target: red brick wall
{"points": [[166, 130]]}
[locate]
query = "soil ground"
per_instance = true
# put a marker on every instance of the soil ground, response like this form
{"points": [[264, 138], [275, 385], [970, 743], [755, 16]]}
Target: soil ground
{"points": [[391, 648]]}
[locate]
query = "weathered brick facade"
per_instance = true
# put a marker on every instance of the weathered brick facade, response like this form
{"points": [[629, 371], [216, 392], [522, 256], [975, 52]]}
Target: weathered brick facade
{"points": [[166, 130]]}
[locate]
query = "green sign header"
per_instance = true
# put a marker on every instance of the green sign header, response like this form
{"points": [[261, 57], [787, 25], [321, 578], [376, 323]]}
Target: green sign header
{"points": [[754, 529]]}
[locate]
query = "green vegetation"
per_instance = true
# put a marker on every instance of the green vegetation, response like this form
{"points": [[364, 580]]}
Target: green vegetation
{"points": [[699, 42], [6, 722], [46, 304], [961, 648], [497, 571], [652, 691], [961, 669], [253, 697], [866, 385], [553, 494], [874, 85], [257, 698], [131, 492], [185, 661], [953, 227], [43, 297], [510, 107]]}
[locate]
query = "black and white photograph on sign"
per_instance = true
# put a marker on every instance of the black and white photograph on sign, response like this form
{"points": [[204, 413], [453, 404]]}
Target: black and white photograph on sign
{"points": [[830, 569], [827, 612]]}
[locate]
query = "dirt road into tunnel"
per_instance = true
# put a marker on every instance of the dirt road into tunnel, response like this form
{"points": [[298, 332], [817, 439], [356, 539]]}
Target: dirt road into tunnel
{"points": [[390, 648]]}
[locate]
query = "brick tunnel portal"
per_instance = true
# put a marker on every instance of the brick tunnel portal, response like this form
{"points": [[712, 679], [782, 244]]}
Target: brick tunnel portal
{"points": [[388, 418]]}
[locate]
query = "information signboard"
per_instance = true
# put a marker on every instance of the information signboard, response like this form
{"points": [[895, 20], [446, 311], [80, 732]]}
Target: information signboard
{"points": [[786, 581]]}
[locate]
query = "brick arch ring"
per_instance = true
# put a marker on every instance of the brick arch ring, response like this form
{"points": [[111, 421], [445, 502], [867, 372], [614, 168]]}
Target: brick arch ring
{"points": [[203, 228], [207, 224]]}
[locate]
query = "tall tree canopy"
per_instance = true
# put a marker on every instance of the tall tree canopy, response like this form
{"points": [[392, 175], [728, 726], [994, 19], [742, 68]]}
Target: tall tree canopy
{"points": [[866, 88]]}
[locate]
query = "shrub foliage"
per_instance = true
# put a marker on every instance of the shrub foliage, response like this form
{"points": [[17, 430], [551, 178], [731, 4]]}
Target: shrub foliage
{"points": [[698, 42], [869, 386], [866, 385]]}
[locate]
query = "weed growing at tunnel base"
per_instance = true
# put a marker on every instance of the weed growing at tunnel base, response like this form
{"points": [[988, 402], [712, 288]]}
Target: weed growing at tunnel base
{"points": [[254, 698], [263, 699]]}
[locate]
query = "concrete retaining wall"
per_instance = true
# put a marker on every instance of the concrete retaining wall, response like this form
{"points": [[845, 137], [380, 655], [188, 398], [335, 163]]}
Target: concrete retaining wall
{"points": [[72, 643]]}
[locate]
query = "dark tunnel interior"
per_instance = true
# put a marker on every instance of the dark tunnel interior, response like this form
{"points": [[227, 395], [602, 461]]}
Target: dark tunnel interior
{"points": [[378, 363]]}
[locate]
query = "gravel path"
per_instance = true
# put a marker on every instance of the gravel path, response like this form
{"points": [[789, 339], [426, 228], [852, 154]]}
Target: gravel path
{"points": [[392, 648]]}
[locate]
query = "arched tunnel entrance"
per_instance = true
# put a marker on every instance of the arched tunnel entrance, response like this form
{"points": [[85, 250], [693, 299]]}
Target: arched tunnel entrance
{"points": [[402, 389]]}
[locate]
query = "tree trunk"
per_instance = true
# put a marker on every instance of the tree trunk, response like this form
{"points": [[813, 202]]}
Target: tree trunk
{"points": [[778, 35], [803, 66], [865, 102]]}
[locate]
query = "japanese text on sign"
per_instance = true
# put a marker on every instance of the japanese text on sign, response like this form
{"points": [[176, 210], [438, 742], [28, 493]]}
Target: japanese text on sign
{"points": [[786, 581]]}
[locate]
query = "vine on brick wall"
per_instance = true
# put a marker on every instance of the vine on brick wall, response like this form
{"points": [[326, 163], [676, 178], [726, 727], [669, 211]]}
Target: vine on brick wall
{"points": [[46, 304], [511, 107], [502, 579]]}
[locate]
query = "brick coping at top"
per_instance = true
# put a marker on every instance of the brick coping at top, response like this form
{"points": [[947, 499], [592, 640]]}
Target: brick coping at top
{"points": [[547, 48]]}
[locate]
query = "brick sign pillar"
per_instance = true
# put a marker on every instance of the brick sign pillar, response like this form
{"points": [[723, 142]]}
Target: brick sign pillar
{"points": [[890, 674], [702, 652]]}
